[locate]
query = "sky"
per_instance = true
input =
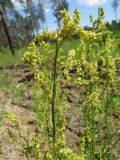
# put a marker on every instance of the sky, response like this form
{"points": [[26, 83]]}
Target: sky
{"points": [[86, 7]]}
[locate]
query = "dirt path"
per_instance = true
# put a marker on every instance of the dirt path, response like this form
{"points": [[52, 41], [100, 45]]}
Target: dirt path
{"points": [[10, 150]]}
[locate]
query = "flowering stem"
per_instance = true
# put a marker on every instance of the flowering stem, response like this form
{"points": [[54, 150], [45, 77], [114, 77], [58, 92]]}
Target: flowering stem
{"points": [[54, 93]]}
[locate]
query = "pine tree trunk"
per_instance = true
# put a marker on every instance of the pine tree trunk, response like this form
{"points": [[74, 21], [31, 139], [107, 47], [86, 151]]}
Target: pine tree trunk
{"points": [[7, 32]]}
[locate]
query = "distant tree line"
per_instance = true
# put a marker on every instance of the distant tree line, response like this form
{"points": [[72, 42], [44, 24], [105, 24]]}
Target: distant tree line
{"points": [[113, 26], [115, 6], [18, 28]]}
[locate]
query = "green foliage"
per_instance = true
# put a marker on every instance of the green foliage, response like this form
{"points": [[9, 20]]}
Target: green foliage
{"points": [[7, 59], [5, 81], [95, 70], [1, 118], [21, 27], [7, 84]]}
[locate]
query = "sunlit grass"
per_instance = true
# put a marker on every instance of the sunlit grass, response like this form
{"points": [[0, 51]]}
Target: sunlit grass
{"points": [[6, 58]]}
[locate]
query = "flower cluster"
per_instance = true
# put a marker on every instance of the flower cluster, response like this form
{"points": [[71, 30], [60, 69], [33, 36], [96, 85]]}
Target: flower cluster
{"points": [[71, 23], [91, 65]]}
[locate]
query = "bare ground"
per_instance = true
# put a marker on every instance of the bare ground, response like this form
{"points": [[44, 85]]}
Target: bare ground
{"points": [[10, 150]]}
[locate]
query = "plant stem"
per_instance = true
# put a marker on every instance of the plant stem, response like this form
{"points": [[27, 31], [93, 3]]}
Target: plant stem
{"points": [[107, 132], [110, 148], [26, 156], [54, 93]]}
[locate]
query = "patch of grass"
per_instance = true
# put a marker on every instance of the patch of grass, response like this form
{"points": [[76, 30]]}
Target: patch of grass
{"points": [[68, 44], [7, 84], [116, 104], [6, 58], [1, 118], [16, 92], [5, 81], [117, 53]]}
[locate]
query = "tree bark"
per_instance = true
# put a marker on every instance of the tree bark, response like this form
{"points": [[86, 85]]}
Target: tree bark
{"points": [[7, 32]]}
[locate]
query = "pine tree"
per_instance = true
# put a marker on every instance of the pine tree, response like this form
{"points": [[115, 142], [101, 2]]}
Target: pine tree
{"points": [[115, 5], [58, 6], [4, 6], [41, 14]]}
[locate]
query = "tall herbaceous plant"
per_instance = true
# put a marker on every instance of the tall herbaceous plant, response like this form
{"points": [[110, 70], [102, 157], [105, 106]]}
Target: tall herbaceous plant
{"points": [[95, 71]]}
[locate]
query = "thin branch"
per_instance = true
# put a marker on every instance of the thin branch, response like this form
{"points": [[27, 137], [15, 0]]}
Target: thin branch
{"points": [[110, 148]]}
